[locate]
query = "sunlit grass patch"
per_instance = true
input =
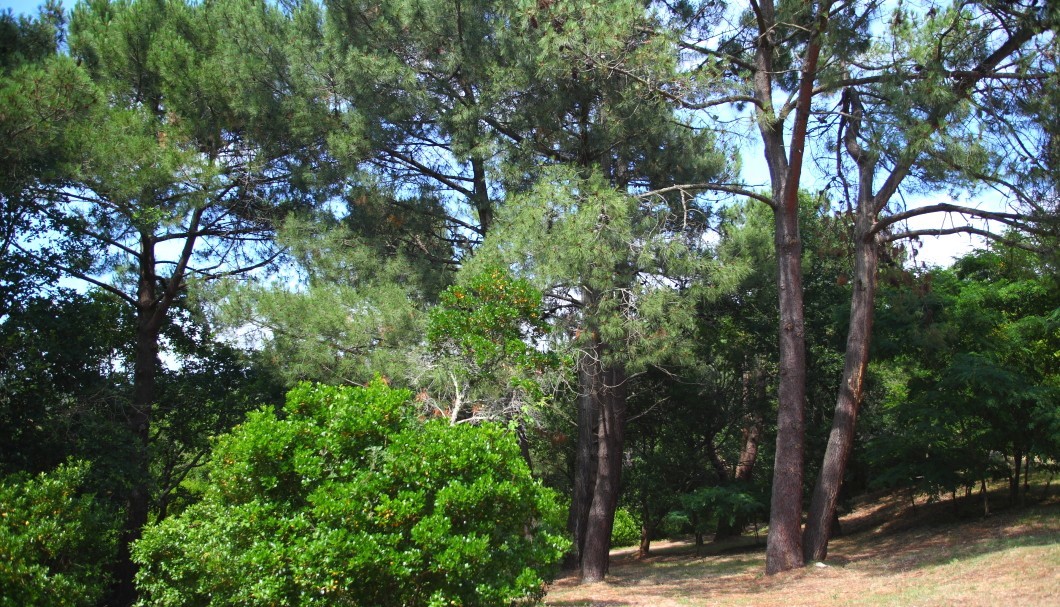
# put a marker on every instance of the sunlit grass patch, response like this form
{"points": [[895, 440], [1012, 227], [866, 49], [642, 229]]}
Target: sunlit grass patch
{"points": [[1009, 558]]}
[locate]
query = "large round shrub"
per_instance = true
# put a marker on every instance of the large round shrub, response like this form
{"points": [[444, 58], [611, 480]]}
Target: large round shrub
{"points": [[349, 499]]}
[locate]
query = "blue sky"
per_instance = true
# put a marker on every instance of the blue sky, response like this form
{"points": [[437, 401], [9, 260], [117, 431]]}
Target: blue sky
{"points": [[935, 250], [25, 6]]}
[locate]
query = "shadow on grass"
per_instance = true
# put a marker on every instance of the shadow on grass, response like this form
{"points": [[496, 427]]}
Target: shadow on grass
{"points": [[675, 570], [892, 539], [685, 549], [935, 541], [581, 603], [682, 569]]}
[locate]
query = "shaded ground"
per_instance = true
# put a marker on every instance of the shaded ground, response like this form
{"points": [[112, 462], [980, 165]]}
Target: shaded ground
{"points": [[892, 554]]}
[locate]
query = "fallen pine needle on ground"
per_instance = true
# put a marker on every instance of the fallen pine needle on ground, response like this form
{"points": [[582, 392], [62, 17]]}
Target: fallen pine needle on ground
{"points": [[892, 554]]}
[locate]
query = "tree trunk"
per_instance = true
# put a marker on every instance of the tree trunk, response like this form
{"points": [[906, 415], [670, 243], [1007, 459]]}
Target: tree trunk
{"points": [[152, 308], [646, 531], [851, 390], [585, 452], [1014, 479], [480, 195], [1026, 478], [721, 467], [612, 419], [753, 393], [727, 528], [524, 445], [784, 542], [752, 434], [145, 373]]}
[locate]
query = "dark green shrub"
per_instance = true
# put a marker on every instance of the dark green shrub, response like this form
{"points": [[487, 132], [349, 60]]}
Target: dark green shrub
{"points": [[350, 500], [55, 542]]}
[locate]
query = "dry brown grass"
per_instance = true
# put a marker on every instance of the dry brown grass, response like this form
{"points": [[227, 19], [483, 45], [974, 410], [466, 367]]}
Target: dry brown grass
{"points": [[892, 554]]}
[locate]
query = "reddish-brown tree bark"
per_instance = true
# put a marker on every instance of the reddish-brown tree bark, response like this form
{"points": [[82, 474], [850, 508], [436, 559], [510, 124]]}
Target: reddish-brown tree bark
{"points": [[784, 542], [822, 513], [868, 229]]}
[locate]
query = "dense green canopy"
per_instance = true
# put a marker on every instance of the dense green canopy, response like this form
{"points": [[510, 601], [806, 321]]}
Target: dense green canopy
{"points": [[655, 255]]}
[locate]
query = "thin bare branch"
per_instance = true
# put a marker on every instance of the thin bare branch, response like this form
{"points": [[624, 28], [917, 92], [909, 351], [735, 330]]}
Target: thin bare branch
{"points": [[1000, 238], [713, 187], [1013, 219]]}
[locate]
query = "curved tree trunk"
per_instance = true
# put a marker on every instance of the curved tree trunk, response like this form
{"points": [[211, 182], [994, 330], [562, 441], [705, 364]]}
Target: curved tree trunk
{"points": [[647, 530], [742, 477], [754, 394], [822, 513]]}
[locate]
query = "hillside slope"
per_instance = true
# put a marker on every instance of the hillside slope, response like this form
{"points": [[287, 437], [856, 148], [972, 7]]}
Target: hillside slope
{"points": [[892, 554]]}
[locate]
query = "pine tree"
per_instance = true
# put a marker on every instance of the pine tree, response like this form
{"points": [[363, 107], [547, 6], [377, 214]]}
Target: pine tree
{"points": [[177, 171]]}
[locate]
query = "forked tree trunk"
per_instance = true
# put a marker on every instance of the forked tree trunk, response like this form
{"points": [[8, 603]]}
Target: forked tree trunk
{"points": [[784, 543], [822, 516], [612, 420], [152, 309]]}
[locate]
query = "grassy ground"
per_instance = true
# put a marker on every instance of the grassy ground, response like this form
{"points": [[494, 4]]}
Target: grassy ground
{"points": [[892, 554]]}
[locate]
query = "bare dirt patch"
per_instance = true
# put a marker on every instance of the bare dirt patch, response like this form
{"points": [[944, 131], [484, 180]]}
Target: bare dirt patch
{"points": [[891, 555]]}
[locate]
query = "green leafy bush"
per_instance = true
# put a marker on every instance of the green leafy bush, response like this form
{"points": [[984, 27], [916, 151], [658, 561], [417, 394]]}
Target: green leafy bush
{"points": [[487, 321], [348, 499], [55, 542], [626, 531], [708, 505], [702, 510]]}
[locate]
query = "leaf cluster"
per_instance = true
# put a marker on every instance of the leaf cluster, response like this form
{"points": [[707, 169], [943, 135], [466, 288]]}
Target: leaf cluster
{"points": [[488, 319], [56, 541], [981, 377], [348, 499]]}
